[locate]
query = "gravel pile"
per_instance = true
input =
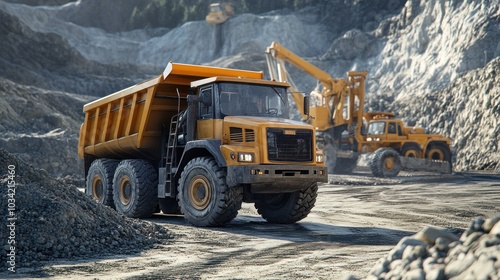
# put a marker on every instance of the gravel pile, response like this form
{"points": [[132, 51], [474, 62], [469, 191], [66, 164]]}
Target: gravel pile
{"points": [[435, 253], [54, 220]]}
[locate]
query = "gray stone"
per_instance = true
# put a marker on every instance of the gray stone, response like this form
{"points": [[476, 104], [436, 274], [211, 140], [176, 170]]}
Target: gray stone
{"points": [[430, 234], [459, 265], [473, 237], [442, 243], [490, 223], [435, 274], [495, 230], [414, 274], [412, 253]]}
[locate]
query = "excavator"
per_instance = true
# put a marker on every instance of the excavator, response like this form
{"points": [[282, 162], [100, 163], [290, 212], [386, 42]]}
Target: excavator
{"points": [[219, 13], [345, 131]]}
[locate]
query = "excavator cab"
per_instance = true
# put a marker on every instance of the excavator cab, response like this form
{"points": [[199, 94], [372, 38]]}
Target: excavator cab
{"points": [[219, 13]]}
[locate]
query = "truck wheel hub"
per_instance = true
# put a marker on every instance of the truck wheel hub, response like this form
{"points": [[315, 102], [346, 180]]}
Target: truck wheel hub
{"points": [[199, 192], [97, 188], [389, 163], [125, 190], [436, 154]]}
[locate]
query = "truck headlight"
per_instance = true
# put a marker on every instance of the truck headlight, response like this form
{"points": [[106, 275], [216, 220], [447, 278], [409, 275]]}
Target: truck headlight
{"points": [[320, 157], [245, 157]]}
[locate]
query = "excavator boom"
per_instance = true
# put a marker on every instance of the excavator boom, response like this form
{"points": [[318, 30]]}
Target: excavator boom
{"points": [[339, 118]]}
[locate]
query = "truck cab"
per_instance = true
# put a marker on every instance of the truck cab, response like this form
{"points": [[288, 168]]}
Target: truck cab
{"points": [[200, 140]]}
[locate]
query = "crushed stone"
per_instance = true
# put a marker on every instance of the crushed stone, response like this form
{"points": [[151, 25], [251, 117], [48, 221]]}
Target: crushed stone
{"points": [[54, 220]]}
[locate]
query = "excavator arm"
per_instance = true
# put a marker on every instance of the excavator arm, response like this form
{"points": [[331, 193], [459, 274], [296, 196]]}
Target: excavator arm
{"points": [[336, 105]]}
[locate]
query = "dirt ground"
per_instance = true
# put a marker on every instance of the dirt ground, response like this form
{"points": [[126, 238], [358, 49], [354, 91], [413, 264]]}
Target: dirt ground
{"points": [[356, 220]]}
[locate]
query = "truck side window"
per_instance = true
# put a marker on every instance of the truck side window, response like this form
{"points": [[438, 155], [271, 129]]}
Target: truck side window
{"points": [[392, 128], [400, 130], [206, 108]]}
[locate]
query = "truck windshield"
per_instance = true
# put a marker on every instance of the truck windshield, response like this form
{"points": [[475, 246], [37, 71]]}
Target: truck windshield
{"points": [[252, 100], [376, 128]]}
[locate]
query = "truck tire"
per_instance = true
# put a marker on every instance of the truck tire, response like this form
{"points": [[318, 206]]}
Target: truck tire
{"points": [[99, 183], [385, 163], [287, 208], [438, 151], [169, 205], [204, 196], [135, 188], [410, 150]]}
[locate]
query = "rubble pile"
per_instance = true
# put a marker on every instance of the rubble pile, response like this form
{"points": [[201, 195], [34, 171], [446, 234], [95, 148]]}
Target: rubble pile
{"points": [[54, 220], [435, 253]]}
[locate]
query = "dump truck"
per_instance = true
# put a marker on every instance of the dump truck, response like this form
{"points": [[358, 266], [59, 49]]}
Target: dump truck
{"points": [[345, 130], [193, 141], [219, 13]]}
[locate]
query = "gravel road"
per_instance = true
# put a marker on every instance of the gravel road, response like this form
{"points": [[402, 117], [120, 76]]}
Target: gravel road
{"points": [[356, 220]]}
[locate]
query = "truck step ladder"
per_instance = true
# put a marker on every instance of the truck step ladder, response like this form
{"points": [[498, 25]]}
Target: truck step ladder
{"points": [[170, 156], [165, 172]]}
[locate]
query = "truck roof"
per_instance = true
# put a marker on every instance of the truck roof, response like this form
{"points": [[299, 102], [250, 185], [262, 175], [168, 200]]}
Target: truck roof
{"points": [[178, 74], [237, 80]]}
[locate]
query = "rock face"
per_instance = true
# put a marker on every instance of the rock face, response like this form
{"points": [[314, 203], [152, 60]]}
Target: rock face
{"points": [[435, 253], [432, 42], [55, 220], [41, 126], [415, 51], [468, 111], [46, 60]]}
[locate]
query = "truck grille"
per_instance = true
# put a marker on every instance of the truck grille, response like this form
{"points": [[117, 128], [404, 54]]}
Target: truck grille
{"points": [[236, 135], [289, 144]]}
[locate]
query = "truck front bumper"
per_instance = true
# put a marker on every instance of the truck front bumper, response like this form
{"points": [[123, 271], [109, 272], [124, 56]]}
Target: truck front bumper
{"points": [[276, 178]]}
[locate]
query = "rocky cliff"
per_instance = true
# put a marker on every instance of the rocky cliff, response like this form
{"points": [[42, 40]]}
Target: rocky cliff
{"points": [[432, 62]]}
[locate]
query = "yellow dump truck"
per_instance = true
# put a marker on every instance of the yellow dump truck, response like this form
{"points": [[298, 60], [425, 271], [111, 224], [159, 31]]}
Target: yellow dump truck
{"points": [[201, 140]]}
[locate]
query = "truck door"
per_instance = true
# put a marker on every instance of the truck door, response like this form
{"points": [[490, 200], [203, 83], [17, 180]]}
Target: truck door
{"points": [[208, 127]]}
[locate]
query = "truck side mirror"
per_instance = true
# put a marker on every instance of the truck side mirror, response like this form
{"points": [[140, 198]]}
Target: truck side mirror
{"points": [[306, 105]]}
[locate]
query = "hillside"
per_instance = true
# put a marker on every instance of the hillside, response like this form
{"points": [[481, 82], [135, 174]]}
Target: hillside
{"points": [[416, 52]]}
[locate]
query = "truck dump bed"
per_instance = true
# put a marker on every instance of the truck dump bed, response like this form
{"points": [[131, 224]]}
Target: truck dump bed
{"points": [[128, 123]]}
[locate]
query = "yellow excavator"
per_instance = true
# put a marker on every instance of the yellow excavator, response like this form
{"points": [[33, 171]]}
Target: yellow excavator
{"points": [[345, 130], [219, 13]]}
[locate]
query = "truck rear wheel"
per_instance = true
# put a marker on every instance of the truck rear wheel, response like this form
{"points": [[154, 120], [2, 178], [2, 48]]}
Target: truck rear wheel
{"points": [[135, 190], [410, 150], [385, 163], [287, 208], [204, 196], [438, 151], [99, 183]]}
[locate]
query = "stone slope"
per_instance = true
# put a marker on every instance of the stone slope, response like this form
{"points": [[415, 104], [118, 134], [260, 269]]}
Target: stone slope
{"points": [[412, 49], [42, 126], [467, 111], [46, 60]]}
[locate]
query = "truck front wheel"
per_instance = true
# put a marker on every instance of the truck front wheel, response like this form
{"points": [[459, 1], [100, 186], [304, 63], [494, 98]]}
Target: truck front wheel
{"points": [[287, 208], [204, 196], [385, 163], [135, 190], [99, 183]]}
